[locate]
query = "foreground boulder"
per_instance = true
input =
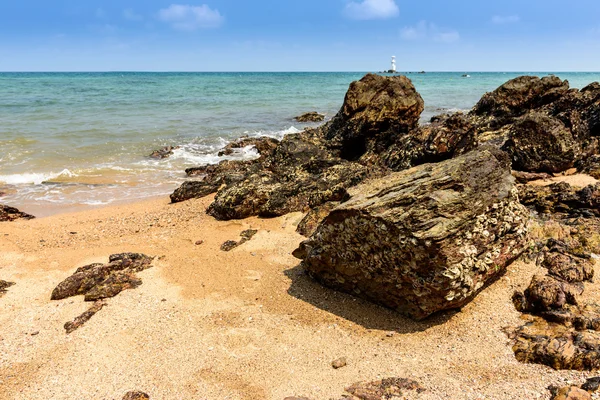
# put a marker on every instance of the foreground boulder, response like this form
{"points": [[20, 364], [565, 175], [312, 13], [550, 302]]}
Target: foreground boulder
{"points": [[10, 214], [422, 240]]}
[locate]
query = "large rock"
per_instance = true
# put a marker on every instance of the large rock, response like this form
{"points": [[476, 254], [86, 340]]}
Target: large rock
{"points": [[541, 143], [422, 240], [10, 214]]}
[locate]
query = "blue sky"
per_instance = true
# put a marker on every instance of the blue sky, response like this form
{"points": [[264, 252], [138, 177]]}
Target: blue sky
{"points": [[299, 35]]}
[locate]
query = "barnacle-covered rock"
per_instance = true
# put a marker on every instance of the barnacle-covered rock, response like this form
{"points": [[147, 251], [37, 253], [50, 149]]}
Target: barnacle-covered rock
{"points": [[422, 240]]}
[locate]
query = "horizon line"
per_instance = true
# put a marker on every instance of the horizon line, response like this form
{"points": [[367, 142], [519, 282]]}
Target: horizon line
{"points": [[288, 72]]}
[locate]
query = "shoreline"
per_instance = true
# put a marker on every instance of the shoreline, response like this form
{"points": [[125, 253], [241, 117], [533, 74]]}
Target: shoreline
{"points": [[245, 324]]}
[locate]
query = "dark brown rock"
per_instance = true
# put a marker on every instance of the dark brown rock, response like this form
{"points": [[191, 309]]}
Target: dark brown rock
{"points": [[135, 395], [83, 318], [557, 346], [562, 198], [312, 116], [232, 244], [10, 214], [546, 293], [591, 384], [571, 393], [98, 281], [164, 152], [540, 143], [423, 240], [388, 388], [518, 95], [4, 285], [263, 145]]}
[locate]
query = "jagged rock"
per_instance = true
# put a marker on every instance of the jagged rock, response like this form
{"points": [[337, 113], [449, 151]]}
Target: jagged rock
{"points": [[10, 214], [557, 346], [98, 281], [518, 95], [590, 166], [83, 318], [375, 112], [264, 145], [164, 152], [546, 293], [312, 116], [571, 393], [135, 395], [591, 384], [541, 143], [232, 244], [524, 177], [422, 240], [313, 218], [388, 388], [4, 285]]}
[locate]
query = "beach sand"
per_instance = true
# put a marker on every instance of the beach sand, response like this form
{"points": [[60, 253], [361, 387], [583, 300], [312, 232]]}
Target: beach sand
{"points": [[246, 324]]}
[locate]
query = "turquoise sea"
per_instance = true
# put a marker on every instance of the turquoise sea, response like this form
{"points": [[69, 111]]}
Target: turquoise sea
{"points": [[75, 140]]}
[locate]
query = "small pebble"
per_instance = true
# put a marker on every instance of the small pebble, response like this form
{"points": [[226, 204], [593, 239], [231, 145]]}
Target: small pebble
{"points": [[339, 363], [199, 242]]}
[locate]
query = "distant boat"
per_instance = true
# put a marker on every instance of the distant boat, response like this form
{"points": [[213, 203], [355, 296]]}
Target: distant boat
{"points": [[466, 76]]}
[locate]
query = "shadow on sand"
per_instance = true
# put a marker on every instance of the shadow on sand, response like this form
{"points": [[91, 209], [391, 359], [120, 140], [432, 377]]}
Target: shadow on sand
{"points": [[359, 311]]}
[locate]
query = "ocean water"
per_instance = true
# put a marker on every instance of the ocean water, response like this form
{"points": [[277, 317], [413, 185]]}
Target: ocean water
{"points": [[76, 140]]}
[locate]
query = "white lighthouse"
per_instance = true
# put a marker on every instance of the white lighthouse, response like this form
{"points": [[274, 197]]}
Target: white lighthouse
{"points": [[393, 69]]}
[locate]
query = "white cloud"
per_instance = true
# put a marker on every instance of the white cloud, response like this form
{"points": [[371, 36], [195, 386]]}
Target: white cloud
{"points": [[429, 31], [372, 9], [510, 19], [190, 18], [131, 15]]}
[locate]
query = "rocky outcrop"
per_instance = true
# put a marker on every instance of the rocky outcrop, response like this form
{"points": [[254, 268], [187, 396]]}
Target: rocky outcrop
{"points": [[10, 214], [561, 332], [422, 240], [312, 116], [571, 393], [562, 198], [100, 281], [263, 145], [388, 388], [4, 285]]}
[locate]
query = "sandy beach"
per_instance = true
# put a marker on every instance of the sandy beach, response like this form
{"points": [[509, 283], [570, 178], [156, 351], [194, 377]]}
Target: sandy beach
{"points": [[244, 324]]}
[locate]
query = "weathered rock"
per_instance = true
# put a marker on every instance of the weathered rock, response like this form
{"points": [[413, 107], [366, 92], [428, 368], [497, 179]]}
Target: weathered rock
{"points": [[571, 393], [524, 177], [10, 214], [568, 264], [422, 240], [313, 218], [164, 152], [590, 166], [518, 95], [135, 395], [546, 293], [540, 143], [98, 281], [229, 245], [312, 116], [388, 388], [561, 197], [4, 285], [557, 346], [83, 318]]}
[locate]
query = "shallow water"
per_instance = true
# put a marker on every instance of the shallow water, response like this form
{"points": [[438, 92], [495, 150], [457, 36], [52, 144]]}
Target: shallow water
{"points": [[72, 139]]}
